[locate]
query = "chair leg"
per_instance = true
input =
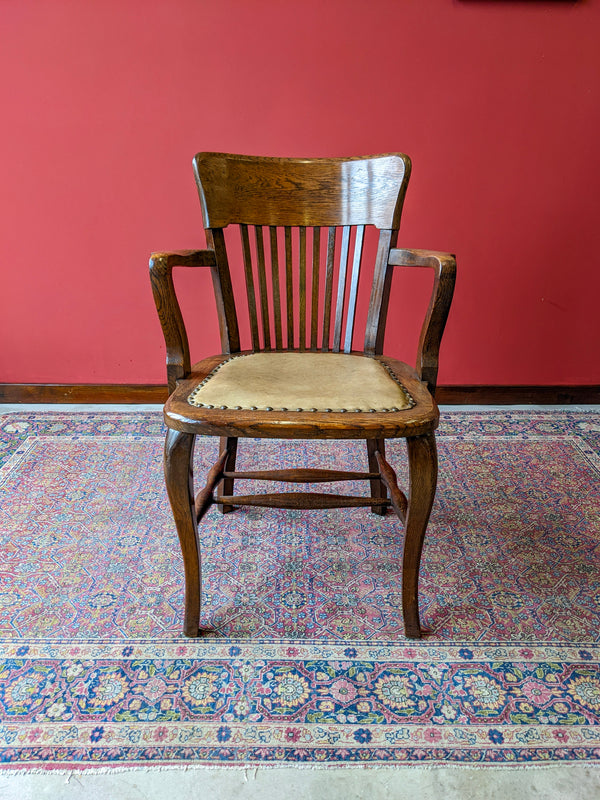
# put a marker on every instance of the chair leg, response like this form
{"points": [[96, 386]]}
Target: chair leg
{"points": [[226, 485], [423, 466], [377, 488], [178, 465]]}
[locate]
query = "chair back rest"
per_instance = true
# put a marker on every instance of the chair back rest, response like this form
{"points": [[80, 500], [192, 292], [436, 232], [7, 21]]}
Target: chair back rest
{"points": [[302, 224]]}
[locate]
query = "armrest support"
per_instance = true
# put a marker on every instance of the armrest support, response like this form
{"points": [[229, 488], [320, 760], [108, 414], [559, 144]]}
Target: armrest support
{"points": [[444, 266], [169, 312]]}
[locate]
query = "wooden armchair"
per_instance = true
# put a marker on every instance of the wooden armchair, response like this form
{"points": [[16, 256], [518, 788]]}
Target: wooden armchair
{"points": [[304, 225]]}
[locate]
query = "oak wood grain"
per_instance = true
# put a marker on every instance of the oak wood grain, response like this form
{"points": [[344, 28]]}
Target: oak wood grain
{"points": [[314, 304], [341, 289], [420, 419], [334, 191], [204, 499], [300, 475], [327, 302], [378, 487], [289, 287], [302, 500], [262, 285], [353, 294], [167, 306], [277, 321], [302, 285], [388, 478], [250, 291], [423, 468], [227, 444], [224, 297], [444, 266], [179, 479]]}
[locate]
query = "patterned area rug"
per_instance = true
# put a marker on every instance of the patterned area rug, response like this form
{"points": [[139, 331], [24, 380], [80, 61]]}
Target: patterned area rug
{"points": [[303, 657]]}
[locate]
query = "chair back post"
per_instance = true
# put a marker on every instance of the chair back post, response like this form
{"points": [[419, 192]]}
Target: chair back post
{"points": [[380, 294], [225, 300]]}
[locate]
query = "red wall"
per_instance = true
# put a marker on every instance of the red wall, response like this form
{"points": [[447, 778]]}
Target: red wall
{"points": [[105, 101]]}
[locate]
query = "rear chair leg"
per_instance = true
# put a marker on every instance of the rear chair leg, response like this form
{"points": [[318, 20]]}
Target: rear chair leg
{"points": [[423, 468], [179, 478], [226, 487], [377, 487]]}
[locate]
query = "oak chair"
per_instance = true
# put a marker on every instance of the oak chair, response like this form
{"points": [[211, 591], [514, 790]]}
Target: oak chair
{"points": [[303, 225]]}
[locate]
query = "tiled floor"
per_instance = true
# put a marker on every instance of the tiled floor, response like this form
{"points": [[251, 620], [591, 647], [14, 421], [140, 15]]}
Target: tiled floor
{"points": [[403, 783]]}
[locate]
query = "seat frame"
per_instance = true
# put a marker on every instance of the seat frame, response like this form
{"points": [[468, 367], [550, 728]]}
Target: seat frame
{"points": [[270, 202]]}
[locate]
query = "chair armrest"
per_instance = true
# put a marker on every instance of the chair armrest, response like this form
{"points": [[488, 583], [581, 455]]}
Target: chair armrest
{"points": [[444, 266], [184, 258], [169, 312]]}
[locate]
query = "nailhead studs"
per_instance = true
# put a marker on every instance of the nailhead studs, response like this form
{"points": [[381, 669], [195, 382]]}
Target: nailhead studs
{"points": [[268, 408], [191, 398]]}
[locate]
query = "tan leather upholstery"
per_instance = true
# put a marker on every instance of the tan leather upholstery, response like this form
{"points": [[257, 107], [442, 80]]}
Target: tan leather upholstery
{"points": [[301, 382]]}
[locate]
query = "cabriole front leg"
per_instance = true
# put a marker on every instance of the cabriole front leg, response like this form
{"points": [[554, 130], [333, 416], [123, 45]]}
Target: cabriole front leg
{"points": [[179, 477], [423, 468]]}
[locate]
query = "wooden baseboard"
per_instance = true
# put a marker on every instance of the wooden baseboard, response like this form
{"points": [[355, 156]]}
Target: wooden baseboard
{"points": [[518, 395], [155, 393], [82, 393]]}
